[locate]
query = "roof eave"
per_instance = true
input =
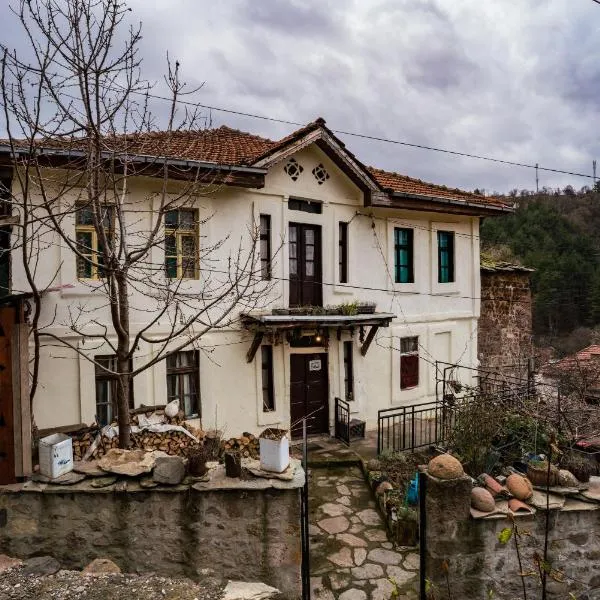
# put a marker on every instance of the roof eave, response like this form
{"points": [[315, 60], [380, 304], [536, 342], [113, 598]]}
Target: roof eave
{"points": [[430, 203]]}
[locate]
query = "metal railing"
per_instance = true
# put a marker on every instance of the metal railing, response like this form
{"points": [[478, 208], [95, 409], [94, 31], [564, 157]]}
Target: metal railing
{"points": [[409, 427], [342, 421]]}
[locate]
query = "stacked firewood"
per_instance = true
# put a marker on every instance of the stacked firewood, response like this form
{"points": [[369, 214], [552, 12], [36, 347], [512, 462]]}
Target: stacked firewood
{"points": [[247, 445]]}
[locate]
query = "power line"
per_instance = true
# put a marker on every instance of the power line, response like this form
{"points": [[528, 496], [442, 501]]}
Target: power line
{"points": [[373, 137]]}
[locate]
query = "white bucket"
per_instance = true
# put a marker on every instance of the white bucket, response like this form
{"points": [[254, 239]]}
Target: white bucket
{"points": [[56, 455], [274, 454]]}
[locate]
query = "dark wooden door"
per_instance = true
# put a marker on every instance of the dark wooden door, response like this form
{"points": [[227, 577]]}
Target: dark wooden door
{"points": [[309, 392], [305, 265], [7, 440]]}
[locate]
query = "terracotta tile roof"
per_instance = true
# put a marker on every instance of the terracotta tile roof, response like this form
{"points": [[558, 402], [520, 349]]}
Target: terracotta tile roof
{"points": [[583, 359], [395, 182], [227, 146]]}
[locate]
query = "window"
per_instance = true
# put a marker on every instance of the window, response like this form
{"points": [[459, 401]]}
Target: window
{"points": [[265, 246], [409, 362], [87, 243], [106, 389], [183, 381], [445, 256], [343, 253], [348, 372], [403, 255], [268, 394], [181, 250], [305, 206], [5, 211]]}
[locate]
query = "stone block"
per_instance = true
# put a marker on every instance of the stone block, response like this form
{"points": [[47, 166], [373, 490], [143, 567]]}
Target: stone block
{"points": [[169, 470]]}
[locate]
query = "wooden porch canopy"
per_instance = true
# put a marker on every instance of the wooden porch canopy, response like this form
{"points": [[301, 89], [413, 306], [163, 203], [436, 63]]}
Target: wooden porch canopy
{"points": [[261, 324]]}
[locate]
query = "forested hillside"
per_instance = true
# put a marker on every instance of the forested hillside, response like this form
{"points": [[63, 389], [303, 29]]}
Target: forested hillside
{"points": [[558, 234]]}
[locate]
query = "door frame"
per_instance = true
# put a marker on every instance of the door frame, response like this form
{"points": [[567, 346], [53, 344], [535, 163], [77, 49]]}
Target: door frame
{"points": [[288, 382]]}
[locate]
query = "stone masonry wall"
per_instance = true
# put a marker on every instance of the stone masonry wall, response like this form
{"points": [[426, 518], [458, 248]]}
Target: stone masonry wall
{"points": [[250, 535], [504, 328], [478, 562]]}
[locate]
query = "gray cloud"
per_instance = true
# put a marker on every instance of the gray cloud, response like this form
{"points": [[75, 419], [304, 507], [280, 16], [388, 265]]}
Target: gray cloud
{"points": [[505, 78]]}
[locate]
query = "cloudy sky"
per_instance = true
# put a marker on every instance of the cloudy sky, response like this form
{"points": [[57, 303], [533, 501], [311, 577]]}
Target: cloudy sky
{"points": [[513, 79]]}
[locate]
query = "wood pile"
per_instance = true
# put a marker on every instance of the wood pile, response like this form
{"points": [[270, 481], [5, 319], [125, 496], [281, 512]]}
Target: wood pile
{"points": [[247, 445]]}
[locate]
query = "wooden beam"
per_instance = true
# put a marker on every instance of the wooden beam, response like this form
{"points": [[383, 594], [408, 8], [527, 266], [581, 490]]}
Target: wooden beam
{"points": [[258, 337], [9, 221], [22, 407], [365, 347]]}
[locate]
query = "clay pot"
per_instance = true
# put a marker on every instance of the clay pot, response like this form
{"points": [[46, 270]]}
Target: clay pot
{"points": [[567, 479], [383, 487], [445, 466], [520, 487], [482, 500], [538, 474]]}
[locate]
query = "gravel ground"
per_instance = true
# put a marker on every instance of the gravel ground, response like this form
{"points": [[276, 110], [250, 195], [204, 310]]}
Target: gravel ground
{"points": [[73, 585]]}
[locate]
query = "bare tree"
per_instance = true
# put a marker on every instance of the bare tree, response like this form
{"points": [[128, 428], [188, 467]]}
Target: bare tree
{"points": [[82, 136]]}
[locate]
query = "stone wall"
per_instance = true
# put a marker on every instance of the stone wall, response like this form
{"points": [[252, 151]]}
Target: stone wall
{"points": [[242, 534], [505, 327], [480, 567]]}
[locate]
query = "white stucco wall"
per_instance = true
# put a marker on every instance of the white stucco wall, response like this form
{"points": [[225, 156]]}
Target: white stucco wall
{"points": [[443, 316]]}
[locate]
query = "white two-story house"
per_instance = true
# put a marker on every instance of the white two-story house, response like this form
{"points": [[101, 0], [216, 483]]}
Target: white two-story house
{"points": [[332, 232]]}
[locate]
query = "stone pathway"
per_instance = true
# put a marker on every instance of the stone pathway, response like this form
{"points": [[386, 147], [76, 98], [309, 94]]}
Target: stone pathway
{"points": [[351, 557]]}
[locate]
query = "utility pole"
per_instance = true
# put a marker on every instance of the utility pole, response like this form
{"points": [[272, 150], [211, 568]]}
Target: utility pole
{"points": [[594, 174], [537, 179]]}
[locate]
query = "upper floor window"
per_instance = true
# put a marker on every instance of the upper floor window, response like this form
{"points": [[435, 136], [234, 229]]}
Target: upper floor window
{"points": [[403, 255], [265, 246], [183, 381], [445, 256], [409, 362], [91, 258], [182, 260], [107, 381], [343, 252], [305, 206]]}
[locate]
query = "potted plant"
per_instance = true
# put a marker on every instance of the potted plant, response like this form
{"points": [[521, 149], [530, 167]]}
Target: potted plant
{"points": [[349, 308], [366, 308], [333, 310], [280, 311], [274, 450]]}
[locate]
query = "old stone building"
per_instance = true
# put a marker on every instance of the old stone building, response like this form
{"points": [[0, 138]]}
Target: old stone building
{"points": [[505, 324]]}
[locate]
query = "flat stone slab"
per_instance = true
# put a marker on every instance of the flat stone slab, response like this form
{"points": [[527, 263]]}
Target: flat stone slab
{"points": [[127, 462], [383, 590], [334, 524], [353, 594], [376, 535], [360, 555], [345, 500], [369, 516], [100, 482], [351, 540], [338, 580], [411, 561], [244, 590], [335, 510], [343, 558], [367, 571], [88, 467], [400, 575], [343, 490], [386, 557]]}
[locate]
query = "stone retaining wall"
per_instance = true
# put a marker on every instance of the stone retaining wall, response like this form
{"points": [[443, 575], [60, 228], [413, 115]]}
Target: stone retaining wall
{"points": [[243, 534], [480, 567]]}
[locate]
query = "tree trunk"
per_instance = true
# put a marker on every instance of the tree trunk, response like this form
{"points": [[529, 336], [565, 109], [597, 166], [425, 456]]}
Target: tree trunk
{"points": [[125, 381]]}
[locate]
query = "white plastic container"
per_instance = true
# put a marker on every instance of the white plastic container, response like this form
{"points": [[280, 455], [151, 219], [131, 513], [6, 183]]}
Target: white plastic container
{"points": [[274, 454], [56, 455]]}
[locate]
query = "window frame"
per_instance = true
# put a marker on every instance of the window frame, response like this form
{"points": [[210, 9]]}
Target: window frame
{"points": [[448, 249], [409, 247], [342, 252], [348, 360], [410, 354], [110, 379], [266, 266], [190, 370], [94, 255], [179, 234], [266, 358], [307, 206]]}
